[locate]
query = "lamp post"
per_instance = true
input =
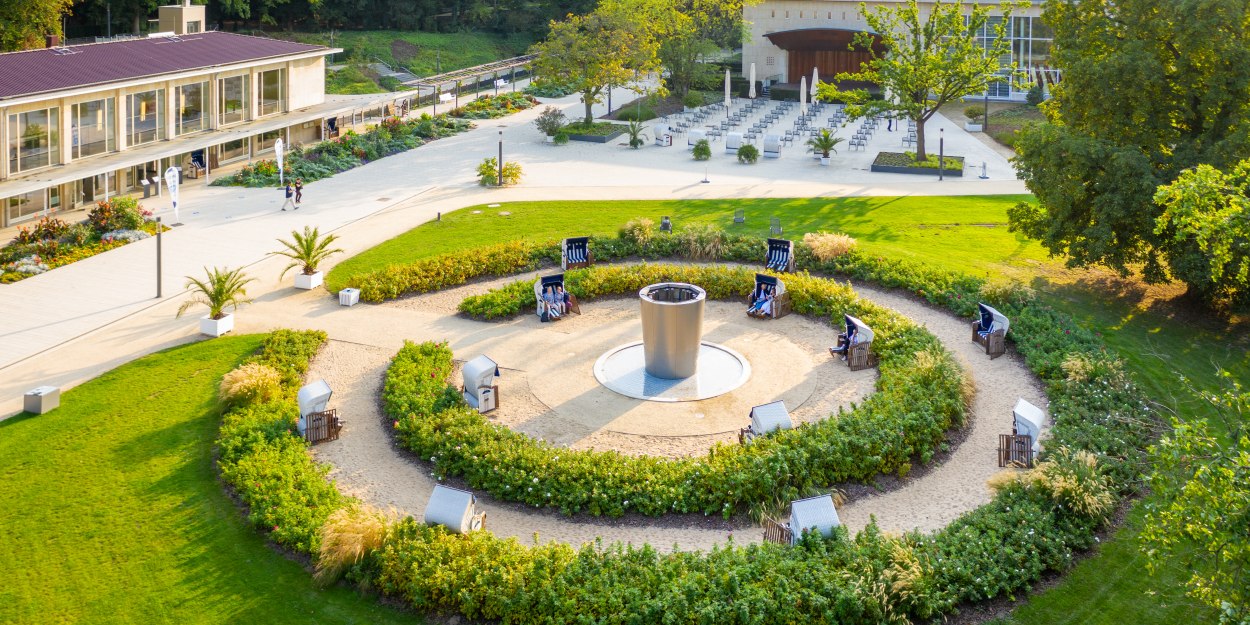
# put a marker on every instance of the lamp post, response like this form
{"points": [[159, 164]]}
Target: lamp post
{"points": [[985, 123], [499, 181], [941, 152], [159, 228]]}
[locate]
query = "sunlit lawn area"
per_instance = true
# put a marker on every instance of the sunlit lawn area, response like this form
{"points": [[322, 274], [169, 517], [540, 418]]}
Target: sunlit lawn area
{"points": [[968, 234], [112, 511]]}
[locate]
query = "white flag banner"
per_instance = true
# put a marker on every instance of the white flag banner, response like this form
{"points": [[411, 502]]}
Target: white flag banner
{"points": [[171, 181], [277, 155]]}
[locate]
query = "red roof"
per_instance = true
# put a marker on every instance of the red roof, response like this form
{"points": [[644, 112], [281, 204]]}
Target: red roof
{"points": [[53, 69]]}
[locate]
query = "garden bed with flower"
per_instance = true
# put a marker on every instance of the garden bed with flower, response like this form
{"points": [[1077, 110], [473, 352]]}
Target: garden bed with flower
{"points": [[392, 136], [495, 106], [1036, 522], [52, 242]]}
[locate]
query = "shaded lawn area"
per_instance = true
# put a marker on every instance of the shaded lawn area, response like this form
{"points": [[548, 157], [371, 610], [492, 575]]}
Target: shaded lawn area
{"points": [[1159, 341], [113, 512], [953, 231]]}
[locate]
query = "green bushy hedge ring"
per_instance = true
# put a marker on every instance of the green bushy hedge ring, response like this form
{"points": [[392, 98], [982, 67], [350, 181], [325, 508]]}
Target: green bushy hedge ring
{"points": [[917, 400]]}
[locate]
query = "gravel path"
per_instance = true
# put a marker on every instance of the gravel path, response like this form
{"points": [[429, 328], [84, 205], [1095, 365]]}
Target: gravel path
{"points": [[367, 465]]}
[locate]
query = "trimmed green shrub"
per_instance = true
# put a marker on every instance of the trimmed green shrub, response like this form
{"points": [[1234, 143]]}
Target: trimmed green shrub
{"points": [[1035, 95], [702, 150], [748, 154]]}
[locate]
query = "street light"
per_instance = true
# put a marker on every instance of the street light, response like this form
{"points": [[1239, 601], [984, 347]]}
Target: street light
{"points": [[500, 179], [941, 152], [985, 122]]}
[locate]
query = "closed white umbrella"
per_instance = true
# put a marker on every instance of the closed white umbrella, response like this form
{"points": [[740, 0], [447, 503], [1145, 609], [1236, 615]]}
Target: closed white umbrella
{"points": [[751, 93], [815, 81], [727, 89], [803, 95]]}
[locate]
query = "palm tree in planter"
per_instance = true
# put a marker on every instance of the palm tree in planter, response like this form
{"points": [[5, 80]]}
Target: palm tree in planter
{"points": [[824, 143], [307, 250], [221, 288]]}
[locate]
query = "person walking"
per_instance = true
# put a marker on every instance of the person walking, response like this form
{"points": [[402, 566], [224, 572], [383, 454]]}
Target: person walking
{"points": [[290, 197], [299, 192]]}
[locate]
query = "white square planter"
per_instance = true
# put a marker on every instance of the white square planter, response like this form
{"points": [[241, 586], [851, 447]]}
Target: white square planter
{"points": [[308, 281], [971, 127], [216, 327]]}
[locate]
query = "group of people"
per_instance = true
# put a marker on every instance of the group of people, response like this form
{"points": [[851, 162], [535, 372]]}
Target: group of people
{"points": [[762, 301], [555, 302], [294, 194], [845, 341]]}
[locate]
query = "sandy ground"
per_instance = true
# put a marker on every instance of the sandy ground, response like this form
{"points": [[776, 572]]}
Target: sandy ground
{"points": [[367, 465]]}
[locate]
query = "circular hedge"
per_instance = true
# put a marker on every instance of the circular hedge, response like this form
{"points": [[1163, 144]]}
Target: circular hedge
{"points": [[918, 397]]}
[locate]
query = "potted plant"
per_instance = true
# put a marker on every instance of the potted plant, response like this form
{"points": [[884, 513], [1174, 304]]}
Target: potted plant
{"points": [[221, 288], [973, 113], [636, 135], [692, 101], [307, 250], [824, 143], [549, 122], [748, 154]]}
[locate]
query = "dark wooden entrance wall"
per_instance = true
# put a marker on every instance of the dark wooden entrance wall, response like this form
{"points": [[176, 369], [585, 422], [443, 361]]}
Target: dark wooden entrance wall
{"points": [[829, 62]]}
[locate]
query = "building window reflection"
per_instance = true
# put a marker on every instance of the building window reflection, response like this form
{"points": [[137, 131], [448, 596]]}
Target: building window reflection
{"points": [[34, 140], [145, 122], [192, 104]]}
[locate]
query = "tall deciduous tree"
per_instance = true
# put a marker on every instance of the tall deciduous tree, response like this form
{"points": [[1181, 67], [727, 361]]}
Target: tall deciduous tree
{"points": [[1149, 89], [1204, 480], [592, 51], [1206, 219], [25, 23], [924, 59]]}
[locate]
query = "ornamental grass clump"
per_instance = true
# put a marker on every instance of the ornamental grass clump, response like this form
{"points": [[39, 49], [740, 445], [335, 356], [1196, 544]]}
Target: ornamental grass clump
{"points": [[827, 246], [1071, 479], [250, 382], [701, 242], [350, 534], [638, 231]]}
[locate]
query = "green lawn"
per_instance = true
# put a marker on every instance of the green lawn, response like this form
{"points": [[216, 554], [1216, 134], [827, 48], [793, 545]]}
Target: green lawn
{"points": [[424, 54], [968, 234], [112, 511]]}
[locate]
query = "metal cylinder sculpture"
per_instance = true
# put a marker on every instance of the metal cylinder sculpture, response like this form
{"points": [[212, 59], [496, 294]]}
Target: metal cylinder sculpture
{"points": [[672, 327]]}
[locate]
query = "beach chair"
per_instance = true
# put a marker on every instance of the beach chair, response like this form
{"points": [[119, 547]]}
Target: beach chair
{"points": [[663, 136], [454, 509], [479, 388], [780, 255], [317, 422], [780, 305], [816, 515], [772, 146], [990, 330], [575, 253], [855, 345], [1021, 447], [733, 141], [556, 284], [694, 136], [766, 418]]}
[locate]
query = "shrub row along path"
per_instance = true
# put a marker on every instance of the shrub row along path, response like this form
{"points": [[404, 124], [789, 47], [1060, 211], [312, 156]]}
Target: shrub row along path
{"points": [[368, 464]]}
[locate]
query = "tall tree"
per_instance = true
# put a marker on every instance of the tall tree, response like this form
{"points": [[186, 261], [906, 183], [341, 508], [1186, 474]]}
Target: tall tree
{"points": [[25, 23], [1203, 479], [924, 59], [1206, 219], [592, 51], [1148, 90]]}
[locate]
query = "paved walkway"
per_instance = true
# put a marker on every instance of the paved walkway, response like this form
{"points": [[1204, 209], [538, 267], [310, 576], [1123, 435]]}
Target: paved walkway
{"points": [[75, 322]]}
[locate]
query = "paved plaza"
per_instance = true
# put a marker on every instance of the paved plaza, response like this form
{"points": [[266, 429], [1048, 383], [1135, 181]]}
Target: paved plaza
{"points": [[77, 321]]}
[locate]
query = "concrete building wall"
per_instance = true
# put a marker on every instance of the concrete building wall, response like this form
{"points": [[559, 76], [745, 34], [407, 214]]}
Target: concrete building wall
{"points": [[306, 80]]}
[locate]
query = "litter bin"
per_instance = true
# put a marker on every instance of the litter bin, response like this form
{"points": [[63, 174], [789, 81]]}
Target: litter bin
{"points": [[42, 399]]}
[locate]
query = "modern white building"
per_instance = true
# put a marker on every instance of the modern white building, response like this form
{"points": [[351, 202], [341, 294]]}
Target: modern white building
{"points": [[86, 122], [788, 38]]}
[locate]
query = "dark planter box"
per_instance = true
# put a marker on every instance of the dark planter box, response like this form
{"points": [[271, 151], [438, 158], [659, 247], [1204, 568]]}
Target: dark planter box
{"points": [[923, 171], [596, 138]]}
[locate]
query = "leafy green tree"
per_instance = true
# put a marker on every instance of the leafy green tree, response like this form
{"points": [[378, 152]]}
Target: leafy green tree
{"points": [[592, 51], [25, 23], [1206, 221], [1204, 478], [1148, 91], [924, 59]]}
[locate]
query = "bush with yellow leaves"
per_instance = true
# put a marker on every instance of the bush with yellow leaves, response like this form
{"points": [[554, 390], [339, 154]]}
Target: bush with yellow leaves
{"points": [[348, 536], [828, 245], [250, 383]]}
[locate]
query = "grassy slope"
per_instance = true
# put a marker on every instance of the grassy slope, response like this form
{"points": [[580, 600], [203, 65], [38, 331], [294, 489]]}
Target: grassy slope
{"points": [[450, 51], [1112, 588], [113, 513]]}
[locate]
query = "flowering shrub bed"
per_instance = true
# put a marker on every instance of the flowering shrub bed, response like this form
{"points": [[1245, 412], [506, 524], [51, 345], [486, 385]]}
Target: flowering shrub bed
{"points": [[493, 106], [266, 462], [52, 243], [392, 136], [917, 399], [1030, 526]]}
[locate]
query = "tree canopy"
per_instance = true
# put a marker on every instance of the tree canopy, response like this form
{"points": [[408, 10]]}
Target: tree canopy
{"points": [[1206, 219], [1149, 89], [26, 22], [925, 58]]}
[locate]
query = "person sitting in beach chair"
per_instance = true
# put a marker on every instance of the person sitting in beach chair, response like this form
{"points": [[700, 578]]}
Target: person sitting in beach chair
{"points": [[769, 299], [552, 300], [990, 330], [854, 344], [761, 301]]}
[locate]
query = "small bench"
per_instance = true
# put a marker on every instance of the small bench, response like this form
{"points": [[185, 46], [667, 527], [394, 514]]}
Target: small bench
{"points": [[445, 97]]}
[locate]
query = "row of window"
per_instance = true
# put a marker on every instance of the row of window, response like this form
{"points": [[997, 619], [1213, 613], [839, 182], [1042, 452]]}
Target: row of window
{"points": [[34, 137]]}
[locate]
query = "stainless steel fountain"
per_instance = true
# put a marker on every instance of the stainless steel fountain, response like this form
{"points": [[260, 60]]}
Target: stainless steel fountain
{"points": [[672, 328]]}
